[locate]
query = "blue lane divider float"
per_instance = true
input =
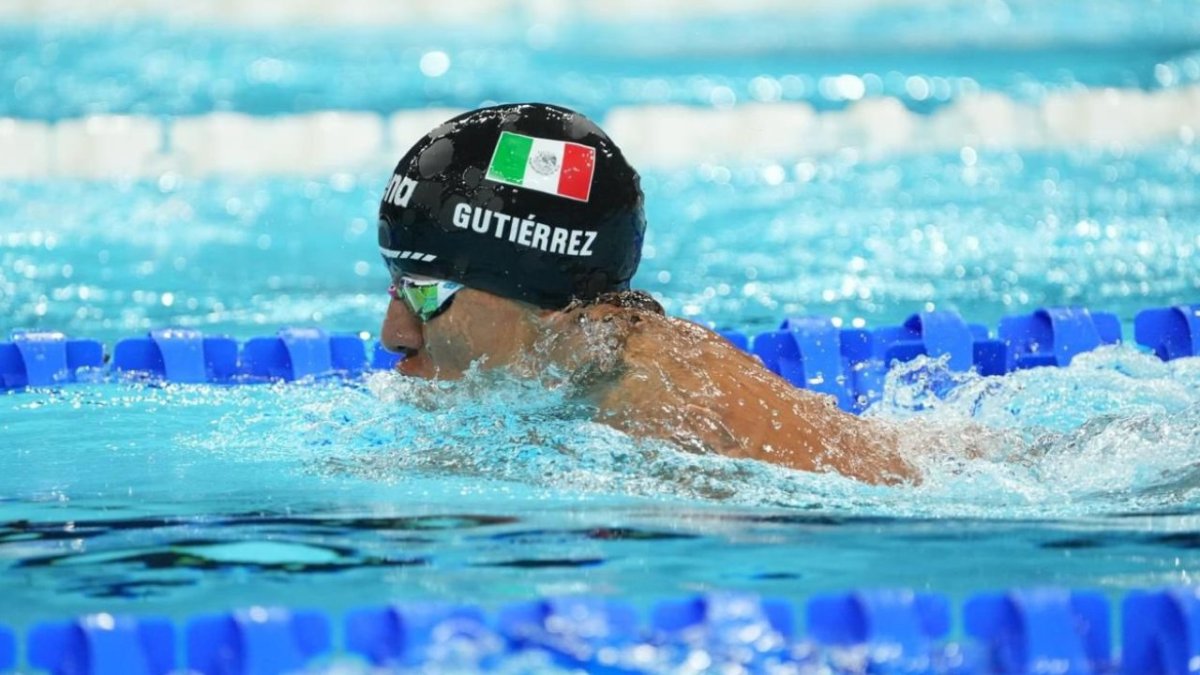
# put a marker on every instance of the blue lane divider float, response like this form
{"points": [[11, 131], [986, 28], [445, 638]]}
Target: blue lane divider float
{"points": [[410, 635], [736, 338], [718, 614], [900, 628], [188, 356], [382, 359], [940, 334], [934, 334], [257, 641], [808, 353], [178, 355], [851, 364], [1171, 332], [8, 648], [45, 358], [1161, 633], [1041, 631], [573, 631], [877, 631], [812, 353], [296, 353], [103, 643], [1052, 337], [738, 632]]}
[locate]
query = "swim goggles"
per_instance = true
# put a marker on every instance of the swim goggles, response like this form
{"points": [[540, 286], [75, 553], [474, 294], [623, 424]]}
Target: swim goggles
{"points": [[427, 298]]}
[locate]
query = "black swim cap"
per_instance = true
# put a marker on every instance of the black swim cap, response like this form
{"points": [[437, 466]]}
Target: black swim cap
{"points": [[527, 201]]}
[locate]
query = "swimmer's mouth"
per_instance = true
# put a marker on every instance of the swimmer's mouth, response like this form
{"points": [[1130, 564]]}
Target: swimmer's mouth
{"points": [[407, 352]]}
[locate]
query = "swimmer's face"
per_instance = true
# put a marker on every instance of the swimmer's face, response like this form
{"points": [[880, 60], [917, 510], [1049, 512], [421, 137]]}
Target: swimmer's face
{"points": [[477, 325]]}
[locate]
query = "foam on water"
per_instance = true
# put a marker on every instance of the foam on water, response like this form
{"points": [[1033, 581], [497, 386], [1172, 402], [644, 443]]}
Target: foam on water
{"points": [[180, 499], [1116, 432]]}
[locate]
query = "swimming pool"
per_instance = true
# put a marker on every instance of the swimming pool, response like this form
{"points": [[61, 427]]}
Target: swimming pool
{"points": [[914, 183]]}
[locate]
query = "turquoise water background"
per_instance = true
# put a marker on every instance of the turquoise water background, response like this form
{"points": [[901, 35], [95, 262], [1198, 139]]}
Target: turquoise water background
{"points": [[743, 246], [127, 496], [61, 68]]}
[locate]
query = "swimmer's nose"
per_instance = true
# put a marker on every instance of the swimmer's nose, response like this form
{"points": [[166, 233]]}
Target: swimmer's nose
{"points": [[402, 332]]}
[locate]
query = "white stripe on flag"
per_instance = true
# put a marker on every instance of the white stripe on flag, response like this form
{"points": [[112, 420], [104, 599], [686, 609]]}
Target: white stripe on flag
{"points": [[541, 150]]}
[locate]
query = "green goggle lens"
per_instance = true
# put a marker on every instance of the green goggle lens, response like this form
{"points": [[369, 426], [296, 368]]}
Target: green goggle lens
{"points": [[426, 299]]}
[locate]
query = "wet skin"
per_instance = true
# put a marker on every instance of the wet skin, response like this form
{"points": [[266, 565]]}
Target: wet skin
{"points": [[652, 376]]}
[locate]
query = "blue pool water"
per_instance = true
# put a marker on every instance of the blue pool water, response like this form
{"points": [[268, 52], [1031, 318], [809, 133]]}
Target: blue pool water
{"points": [[60, 69], [742, 246], [139, 497]]}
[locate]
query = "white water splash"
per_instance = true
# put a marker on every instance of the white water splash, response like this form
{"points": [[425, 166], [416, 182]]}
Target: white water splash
{"points": [[1117, 430]]}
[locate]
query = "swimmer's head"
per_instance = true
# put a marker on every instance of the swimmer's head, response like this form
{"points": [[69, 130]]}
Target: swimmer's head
{"points": [[530, 202]]}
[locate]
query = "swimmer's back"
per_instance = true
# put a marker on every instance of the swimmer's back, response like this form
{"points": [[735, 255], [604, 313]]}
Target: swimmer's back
{"points": [[679, 381]]}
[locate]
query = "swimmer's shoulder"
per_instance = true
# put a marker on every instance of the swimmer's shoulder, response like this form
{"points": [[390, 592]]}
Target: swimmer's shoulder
{"points": [[680, 381], [640, 330], [628, 336], [657, 336]]}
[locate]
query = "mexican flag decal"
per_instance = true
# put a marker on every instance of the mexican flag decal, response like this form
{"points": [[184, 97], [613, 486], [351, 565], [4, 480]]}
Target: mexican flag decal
{"points": [[556, 167]]}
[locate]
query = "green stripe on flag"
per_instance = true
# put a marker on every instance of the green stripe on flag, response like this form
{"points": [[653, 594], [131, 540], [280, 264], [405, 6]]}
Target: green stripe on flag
{"points": [[512, 153]]}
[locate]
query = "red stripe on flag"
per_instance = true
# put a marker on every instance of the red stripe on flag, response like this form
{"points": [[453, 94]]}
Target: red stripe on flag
{"points": [[575, 181]]}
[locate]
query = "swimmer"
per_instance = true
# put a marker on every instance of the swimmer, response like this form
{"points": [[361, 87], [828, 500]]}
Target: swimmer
{"points": [[511, 234]]}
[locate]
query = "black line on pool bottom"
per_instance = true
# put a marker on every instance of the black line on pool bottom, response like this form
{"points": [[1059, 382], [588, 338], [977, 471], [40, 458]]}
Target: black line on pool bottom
{"points": [[546, 563], [26, 530]]}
